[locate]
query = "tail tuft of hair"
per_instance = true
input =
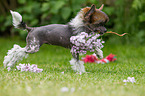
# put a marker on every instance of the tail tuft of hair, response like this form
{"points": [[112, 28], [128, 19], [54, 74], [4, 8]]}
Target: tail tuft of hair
{"points": [[17, 20]]}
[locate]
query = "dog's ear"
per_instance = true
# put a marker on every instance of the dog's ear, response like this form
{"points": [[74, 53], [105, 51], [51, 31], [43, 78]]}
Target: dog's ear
{"points": [[101, 7], [90, 12]]}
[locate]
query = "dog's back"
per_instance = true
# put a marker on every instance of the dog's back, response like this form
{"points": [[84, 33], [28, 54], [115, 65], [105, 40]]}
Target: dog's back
{"points": [[54, 34]]}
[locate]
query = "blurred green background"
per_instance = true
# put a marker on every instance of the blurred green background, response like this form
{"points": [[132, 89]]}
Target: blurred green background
{"points": [[125, 16]]}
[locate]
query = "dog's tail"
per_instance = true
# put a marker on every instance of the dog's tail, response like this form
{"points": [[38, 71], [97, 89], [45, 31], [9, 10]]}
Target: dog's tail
{"points": [[17, 21]]}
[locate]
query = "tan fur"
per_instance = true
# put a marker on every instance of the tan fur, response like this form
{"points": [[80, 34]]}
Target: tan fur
{"points": [[97, 16]]}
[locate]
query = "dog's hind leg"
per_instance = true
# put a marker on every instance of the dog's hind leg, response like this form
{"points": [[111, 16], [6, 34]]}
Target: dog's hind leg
{"points": [[77, 65], [17, 53], [33, 45], [14, 55]]}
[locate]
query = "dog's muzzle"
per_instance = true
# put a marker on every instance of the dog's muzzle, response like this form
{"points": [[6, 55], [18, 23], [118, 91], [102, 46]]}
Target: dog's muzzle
{"points": [[101, 30]]}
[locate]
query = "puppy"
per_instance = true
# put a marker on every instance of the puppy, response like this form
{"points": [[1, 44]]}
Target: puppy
{"points": [[89, 19]]}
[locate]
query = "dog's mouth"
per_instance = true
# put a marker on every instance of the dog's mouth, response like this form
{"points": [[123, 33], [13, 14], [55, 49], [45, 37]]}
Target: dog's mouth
{"points": [[101, 30], [101, 33]]}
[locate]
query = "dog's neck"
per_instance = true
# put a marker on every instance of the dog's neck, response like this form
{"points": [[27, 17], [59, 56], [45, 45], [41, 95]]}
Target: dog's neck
{"points": [[78, 24]]}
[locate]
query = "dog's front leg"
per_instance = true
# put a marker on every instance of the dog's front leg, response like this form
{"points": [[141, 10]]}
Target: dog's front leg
{"points": [[77, 65], [99, 53]]}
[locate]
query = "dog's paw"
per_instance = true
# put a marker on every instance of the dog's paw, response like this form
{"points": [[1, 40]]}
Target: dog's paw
{"points": [[77, 66]]}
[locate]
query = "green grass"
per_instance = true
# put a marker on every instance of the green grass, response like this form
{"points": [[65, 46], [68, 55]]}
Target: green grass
{"points": [[102, 80]]}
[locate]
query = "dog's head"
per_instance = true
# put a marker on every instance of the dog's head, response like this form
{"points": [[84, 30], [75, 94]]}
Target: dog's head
{"points": [[94, 19]]}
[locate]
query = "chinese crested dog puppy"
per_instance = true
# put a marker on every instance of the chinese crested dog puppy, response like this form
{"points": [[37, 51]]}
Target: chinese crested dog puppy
{"points": [[89, 19]]}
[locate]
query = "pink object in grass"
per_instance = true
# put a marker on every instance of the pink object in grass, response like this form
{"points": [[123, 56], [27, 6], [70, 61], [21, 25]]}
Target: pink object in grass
{"points": [[94, 59]]}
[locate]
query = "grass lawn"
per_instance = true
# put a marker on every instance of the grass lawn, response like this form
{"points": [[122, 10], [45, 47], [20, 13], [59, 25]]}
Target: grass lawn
{"points": [[102, 79]]}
